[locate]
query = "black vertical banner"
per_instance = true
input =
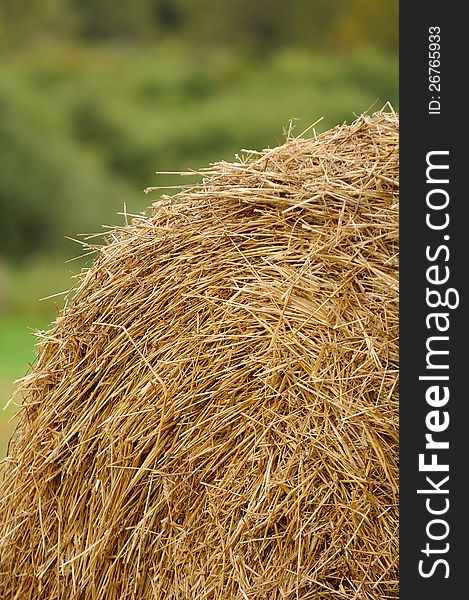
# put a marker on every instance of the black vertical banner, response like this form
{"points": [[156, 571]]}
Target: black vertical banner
{"points": [[434, 231]]}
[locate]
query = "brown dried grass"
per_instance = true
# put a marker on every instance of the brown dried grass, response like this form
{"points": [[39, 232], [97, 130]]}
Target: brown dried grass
{"points": [[215, 414]]}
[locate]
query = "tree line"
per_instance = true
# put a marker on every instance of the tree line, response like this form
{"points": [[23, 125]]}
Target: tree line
{"points": [[258, 27]]}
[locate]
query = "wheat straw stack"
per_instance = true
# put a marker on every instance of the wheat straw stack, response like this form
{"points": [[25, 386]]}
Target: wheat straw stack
{"points": [[215, 414]]}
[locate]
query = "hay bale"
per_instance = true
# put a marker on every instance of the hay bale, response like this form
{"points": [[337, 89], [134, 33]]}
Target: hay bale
{"points": [[215, 414]]}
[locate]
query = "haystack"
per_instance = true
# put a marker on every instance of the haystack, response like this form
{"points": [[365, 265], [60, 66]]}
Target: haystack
{"points": [[215, 413]]}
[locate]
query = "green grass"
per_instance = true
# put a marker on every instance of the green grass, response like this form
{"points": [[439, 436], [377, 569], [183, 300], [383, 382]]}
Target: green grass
{"points": [[17, 352], [17, 349], [22, 313]]}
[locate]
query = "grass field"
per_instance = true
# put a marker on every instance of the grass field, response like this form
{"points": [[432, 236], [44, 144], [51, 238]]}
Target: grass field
{"points": [[17, 352], [21, 314]]}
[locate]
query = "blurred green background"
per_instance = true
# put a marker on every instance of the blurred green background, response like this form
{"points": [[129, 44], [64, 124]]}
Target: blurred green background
{"points": [[98, 95]]}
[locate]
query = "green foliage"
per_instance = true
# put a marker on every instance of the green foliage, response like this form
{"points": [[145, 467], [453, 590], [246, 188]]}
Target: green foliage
{"points": [[259, 27], [82, 133], [47, 180], [367, 22], [97, 96]]}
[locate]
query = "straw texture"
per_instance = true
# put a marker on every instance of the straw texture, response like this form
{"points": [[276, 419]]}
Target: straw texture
{"points": [[215, 413]]}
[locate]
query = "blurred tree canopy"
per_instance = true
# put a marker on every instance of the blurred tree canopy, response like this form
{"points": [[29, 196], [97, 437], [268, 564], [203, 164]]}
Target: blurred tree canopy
{"points": [[249, 26], [98, 95]]}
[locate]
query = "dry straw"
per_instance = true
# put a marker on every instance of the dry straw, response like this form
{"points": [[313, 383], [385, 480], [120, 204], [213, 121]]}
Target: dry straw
{"points": [[215, 414]]}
